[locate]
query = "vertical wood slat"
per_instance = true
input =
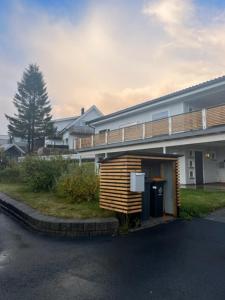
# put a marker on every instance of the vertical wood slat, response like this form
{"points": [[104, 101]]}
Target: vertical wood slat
{"points": [[186, 122], [86, 142], [99, 139], [215, 116], [156, 128], [115, 185], [133, 132], [115, 136]]}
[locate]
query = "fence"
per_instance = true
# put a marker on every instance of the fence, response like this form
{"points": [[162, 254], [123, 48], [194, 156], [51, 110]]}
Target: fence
{"points": [[196, 120]]}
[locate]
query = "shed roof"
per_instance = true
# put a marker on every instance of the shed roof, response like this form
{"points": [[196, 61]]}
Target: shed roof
{"points": [[6, 147], [143, 155]]}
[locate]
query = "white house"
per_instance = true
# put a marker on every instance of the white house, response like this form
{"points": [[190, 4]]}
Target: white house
{"points": [[69, 129], [190, 122]]}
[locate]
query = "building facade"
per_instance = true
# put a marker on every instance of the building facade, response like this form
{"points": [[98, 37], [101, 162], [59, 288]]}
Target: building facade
{"points": [[190, 123], [69, 129]]}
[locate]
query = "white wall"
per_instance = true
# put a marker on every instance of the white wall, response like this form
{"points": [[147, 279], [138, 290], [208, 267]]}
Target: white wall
{"points": [[139, 117], [220, 159], [91, 115], [68, 140], [211, 171]]}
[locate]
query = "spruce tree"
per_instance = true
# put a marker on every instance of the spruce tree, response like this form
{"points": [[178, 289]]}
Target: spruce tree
{"points": [[32, 121]]}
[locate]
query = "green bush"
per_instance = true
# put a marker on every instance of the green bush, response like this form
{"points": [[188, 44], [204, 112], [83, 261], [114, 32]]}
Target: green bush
{"points": [[42, 175], [3, 160], [79, 185], [11, 174]]}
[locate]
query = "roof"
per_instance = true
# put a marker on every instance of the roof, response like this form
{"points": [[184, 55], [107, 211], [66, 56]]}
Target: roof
{"points": [[73, 120], [6, 147], [140, 154], [65, 119], [182, 92]]}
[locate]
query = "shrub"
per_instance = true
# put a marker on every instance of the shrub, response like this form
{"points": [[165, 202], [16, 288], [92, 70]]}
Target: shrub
{"points": [[79, 185], [3, 160], [42, 175], [11, 174]]}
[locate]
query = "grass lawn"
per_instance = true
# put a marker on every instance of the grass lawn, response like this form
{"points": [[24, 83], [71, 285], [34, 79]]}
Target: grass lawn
{"points": [[50, 204], [198, 203]]}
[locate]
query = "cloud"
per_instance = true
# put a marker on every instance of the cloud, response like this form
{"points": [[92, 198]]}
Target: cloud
{"points": [[170, 12], [114, 55]]}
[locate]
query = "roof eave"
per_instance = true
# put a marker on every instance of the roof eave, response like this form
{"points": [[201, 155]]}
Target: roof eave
{"points": [[176, 96]]}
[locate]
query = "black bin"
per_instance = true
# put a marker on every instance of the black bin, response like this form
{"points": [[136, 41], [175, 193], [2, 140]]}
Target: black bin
{"points": [[157, 195]]}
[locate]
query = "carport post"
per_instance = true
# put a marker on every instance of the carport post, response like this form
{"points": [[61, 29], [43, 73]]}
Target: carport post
{"points": [[80, 160], [96, 164]]}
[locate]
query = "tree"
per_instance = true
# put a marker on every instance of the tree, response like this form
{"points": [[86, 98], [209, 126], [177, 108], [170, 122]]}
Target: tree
{"points": [[32, 121]]}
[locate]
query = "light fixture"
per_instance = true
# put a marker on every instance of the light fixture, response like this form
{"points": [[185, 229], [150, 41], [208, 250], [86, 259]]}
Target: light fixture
{"points": [[207, 155]]}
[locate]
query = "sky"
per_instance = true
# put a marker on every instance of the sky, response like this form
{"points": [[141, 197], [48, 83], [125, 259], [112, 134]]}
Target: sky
{"points": [[111, 53]]}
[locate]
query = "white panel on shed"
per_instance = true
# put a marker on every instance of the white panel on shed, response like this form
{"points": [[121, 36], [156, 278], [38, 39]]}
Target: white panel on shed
{"points": [[137, 182]]}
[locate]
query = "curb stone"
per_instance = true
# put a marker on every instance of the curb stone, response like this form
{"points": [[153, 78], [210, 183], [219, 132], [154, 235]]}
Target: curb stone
{"points": [[57, 226]]}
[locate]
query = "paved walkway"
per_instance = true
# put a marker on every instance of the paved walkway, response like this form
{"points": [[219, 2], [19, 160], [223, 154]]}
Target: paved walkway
{"points": [[218, 216], [178, 260]]}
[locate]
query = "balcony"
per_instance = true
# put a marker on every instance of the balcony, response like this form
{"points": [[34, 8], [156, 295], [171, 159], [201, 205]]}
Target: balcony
{"points": [[81, 130], [196, 120]]}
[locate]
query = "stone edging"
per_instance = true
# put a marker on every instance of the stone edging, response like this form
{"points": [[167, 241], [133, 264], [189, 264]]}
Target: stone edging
{"points": [[57, 226]]}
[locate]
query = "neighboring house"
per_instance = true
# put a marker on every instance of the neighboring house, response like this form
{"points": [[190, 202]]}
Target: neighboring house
{"points": [[12, 151], [4, 139], [21, 143], [190, 122], [69, 129]]}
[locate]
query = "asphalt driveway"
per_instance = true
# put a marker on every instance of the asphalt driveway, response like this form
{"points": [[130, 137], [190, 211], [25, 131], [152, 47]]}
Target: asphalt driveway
{"points": [[180, 260]]}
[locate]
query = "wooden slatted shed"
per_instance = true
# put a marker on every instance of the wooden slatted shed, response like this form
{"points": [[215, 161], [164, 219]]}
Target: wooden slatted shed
{"points": [[115, 172]]}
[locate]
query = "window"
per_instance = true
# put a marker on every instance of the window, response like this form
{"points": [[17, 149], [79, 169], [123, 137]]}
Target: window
{"points": [[213, 155], [160, 115], [104, 130], [191, 174], [191, 153]]}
